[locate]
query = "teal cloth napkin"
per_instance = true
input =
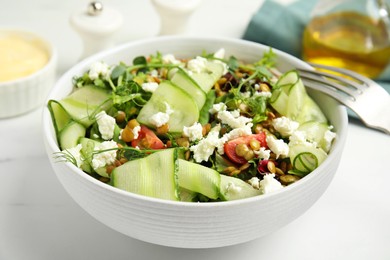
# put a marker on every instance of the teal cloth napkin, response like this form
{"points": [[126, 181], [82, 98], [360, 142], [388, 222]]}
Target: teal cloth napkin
{"points": [[282, 26]]}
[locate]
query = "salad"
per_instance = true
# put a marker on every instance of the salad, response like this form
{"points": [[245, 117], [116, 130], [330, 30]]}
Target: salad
{"points": [[196, 129]]}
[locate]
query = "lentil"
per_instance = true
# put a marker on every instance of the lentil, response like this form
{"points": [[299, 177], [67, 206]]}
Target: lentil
{"points": [[288, 179], [249, 155], [271, 167], [242, 150], [120, 117], [264, 87], [254, 144], [162, 129], [127, 135], [183, 142], [206, 129], [278, 171]]}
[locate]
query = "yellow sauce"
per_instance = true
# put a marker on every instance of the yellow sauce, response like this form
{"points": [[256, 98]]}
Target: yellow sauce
{"points": [[20, 57]]}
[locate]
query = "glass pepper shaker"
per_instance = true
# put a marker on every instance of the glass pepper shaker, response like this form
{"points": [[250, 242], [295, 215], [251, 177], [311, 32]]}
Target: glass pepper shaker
{"points": [[351, 34]]}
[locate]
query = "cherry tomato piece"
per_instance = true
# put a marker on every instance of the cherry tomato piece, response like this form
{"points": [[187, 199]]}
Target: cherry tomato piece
{"points": [[230, 146], [147, 139]]}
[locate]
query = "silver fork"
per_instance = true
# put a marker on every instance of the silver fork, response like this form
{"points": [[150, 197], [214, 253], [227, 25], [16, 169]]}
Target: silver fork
{"points": [[365, 97]]}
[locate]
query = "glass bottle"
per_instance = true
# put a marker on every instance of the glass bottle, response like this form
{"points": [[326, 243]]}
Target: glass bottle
{"points": [[352, 34]]}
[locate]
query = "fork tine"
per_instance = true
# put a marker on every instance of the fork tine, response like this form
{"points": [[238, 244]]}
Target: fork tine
{"points": [[365, 97], [319, 77], [355, 83], [327, 90], [366, 81]]}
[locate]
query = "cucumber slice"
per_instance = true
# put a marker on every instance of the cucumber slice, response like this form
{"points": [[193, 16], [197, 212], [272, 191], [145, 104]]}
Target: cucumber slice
{"points": [[206, 79], [233, 189], [172, 72], [187, 195], [290, 99], [87, 147], [185, 110], [296, 97], [204, 114], [315, 132], [59, 117], [280, 95], [153, 176], [84, 103], [306, 158], [198, 178], [70, 135], [311, 112], [58, 114], [185, 82], [288, 79], [279, 101]]}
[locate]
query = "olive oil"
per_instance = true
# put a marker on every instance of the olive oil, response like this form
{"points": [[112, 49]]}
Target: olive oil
{"points": [[348, 40]]}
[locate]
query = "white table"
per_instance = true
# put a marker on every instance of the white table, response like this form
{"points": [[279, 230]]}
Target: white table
{"points": [[38, 220]]}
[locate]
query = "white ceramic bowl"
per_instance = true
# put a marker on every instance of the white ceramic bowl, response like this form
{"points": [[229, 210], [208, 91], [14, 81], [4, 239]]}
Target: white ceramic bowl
{"points": [[21, 95], [194, 225]]}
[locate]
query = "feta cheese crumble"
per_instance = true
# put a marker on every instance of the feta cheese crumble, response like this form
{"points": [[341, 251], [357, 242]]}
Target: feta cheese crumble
{"points": [[217, 108], [233, 118], [298, 137], [241, 126], [149, 86], [263, 153], [99, 69], [170, 59], [103, 158], [269, 184], [161, 118], [136, 130], [220, 54], [206, 146], [254, 182], [277, 146], [262, 94], [75, 153], [197, 65], [194, 132], [231, 187], [328, 139], [285, 126], [154, 73], [106, 125]]}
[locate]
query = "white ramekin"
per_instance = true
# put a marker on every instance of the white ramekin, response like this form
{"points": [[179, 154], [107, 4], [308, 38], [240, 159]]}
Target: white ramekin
{"points": [[24, 94]]}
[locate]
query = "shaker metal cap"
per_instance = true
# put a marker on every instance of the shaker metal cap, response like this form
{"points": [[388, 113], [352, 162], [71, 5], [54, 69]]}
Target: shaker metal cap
{"points": [[95, 8]]}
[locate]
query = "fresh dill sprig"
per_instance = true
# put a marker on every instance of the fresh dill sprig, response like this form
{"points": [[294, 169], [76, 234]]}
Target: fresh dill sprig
{"points": [[65, 156]]}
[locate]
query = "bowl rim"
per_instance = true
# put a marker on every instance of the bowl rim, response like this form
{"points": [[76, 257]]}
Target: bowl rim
{"points": [[51, 142], [46, 43]]}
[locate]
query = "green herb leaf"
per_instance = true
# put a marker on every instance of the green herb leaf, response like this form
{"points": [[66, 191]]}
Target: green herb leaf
{"points": [[118, 71], [204, 114], [233, 63], [140, 60], [268, 60]]}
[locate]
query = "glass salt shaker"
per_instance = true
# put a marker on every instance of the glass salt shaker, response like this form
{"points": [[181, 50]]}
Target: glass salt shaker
{"points": [[351, 34]]}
